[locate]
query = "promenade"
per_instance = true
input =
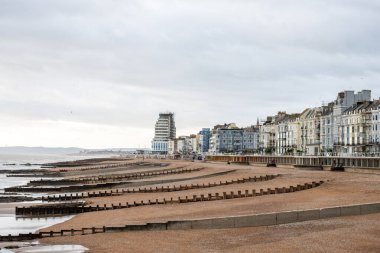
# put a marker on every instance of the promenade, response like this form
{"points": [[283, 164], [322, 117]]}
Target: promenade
{"points": [[359, 164]]}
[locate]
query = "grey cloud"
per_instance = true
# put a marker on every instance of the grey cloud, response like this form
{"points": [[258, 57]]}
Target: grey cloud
{"points": [[119, 63]]}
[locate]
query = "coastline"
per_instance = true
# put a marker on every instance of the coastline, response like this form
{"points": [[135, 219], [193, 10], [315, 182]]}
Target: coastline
{"points": [[339, 188], [10, 224]]}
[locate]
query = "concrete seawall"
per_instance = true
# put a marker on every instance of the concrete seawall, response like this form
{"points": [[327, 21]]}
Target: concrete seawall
{"points": [[255, 220], [278, 218]]}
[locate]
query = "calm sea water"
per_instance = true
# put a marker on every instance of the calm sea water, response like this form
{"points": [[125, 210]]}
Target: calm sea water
{"points": [[9, 224], [20, 159]]}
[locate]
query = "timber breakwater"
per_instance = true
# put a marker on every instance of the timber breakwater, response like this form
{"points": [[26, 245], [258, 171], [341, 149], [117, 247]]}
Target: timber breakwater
{"points": [[67, 209]]}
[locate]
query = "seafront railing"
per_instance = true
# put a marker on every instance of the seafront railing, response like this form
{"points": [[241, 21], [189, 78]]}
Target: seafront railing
{"points": [[310, 161]]}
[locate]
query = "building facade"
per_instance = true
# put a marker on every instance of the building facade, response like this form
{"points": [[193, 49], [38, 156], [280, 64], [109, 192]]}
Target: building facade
{"points": [[327, 136], [227, 138], [267, 136], [250, 139], [375, 129], [358, 129], [310, 131], [164, 131], [347, 126], [204, 140], [344, 100], [286, 134]]}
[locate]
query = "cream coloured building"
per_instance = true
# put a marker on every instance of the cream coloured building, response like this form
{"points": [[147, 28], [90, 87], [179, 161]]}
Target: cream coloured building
{"points": [[267, 143], [355, 128], [375, 128], [327, 134], [310, 129], [344, 100], [287, 134]]}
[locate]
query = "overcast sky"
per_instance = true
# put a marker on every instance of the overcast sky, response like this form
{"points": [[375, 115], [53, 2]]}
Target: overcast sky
{"points": [[96, 74]]}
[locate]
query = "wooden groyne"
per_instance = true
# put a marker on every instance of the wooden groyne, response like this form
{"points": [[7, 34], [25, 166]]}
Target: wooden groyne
{"points": [[173, 188], [58, 175], [67, 210], [94, 184], [104, 166], [111, 178], [86, 162]]}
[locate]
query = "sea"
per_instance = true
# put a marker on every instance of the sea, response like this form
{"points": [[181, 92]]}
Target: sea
{"points": [[9, 223]]}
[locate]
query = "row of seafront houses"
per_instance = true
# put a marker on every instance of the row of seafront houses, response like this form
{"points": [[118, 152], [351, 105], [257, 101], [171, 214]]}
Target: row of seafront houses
{"points": [[348, 126]]}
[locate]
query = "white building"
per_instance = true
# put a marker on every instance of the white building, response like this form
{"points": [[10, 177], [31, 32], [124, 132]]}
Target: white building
{"points": [[182, 146], [355, 128], [286, 134], [327, 136], [267, 136], [344, 100], [164, 131], [375, 128], [194, 143], [310, 131]]}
